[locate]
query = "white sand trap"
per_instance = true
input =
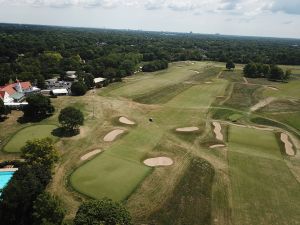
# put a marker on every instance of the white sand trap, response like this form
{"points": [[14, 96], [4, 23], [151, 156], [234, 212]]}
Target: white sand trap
{"points": [[273, 88], [111, 136], [90, 154], [245, 80], [262, 104], [217, 130], [287, 144], [124, 120], [208, 82], [187, 129], [159, 161], [261, 128], [217, 146]]}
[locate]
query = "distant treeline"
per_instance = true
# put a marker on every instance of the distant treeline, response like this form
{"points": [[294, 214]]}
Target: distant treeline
{"points": [[40, 52], [155, 65]]}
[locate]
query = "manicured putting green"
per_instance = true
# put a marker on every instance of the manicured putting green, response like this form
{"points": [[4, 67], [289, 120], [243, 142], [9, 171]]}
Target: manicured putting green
{"points": [[29, 133], [264, 191]]}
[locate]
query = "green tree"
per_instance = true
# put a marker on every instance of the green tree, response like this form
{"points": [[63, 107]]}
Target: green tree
{"points": [[71, 118], [79, 88], [103, 211], [250, 70], [276, 73], [40, 152], [287, 74], [48, 210], [230, 65], [38, 107]]}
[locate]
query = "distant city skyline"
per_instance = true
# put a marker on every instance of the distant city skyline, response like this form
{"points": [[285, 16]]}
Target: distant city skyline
{"points": [[269, 18]]}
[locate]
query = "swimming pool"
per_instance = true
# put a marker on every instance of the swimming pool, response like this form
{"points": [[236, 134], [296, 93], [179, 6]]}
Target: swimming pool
{"points": [[5, 177]]}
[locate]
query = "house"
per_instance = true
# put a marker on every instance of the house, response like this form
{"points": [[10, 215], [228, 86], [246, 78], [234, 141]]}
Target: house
{"points": [[99, 82], [16, 92], [59, 92]]}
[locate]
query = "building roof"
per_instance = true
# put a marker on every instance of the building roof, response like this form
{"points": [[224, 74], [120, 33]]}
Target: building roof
{"points": [[11, 88], [99, 79], [60, 91]]}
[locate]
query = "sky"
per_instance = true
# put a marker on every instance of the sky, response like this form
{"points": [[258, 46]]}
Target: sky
{"points": [[271, 18]]}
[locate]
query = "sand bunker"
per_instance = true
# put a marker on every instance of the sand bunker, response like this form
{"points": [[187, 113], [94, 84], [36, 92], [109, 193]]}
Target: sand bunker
{"points": [[90, 154], [261, 128], [217, 130], [262, 104], [208, 82], [187, 129], [217, 146], [111, 136], [159, 161], [273, 88], [124, 120], [245, 80], [287, 144]]}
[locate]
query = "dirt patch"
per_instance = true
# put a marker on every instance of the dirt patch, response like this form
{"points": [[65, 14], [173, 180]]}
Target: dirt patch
{"points": [[262, 104], [158, 161], [287, 144], [187, 129], [111, 136], [90, 154], [217, 146], [124, 120], [217, 131]]}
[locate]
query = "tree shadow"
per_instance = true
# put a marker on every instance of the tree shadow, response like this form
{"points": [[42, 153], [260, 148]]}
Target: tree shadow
{"points": [[23, 120], [62, 132]]}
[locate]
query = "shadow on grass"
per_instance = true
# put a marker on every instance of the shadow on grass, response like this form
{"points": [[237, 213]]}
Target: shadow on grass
{"points": [[62, 132]]}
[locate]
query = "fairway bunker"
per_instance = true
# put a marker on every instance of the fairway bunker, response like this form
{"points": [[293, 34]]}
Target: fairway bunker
{"points": [[287, 144], [273, 88], [262, 104], [124, 120], [217, 146], [187, 129], [90, 154], [217, 131], [208, 82], [111, 136], [158, 161]]}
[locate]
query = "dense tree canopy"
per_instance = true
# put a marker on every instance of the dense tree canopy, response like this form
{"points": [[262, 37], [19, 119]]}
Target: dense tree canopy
{"points": [[230, 65], [48, 210], [42, 52], [38, 107], [71, 118], [29, 181], [79, 88], [104, 212]]}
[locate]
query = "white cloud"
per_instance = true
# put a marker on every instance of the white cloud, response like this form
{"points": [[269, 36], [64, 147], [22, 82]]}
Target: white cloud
{"points": [[242, 7]]}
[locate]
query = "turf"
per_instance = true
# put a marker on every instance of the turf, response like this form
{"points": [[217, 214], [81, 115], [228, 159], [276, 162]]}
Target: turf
{"points": [[264, 191], [288, 90], [29, 133]]}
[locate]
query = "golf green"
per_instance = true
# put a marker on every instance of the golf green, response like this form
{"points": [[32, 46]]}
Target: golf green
{"points": [[29, 133]]}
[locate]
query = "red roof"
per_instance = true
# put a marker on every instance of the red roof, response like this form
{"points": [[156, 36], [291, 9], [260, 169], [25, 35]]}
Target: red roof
{"points": [[2, 93], [10, 88]]}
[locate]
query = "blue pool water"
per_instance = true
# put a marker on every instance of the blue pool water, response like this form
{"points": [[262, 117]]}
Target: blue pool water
{"points": [[5, 178]]}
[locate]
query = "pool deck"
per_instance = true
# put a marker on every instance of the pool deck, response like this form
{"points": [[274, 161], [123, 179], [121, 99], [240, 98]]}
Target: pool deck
{"points": [[9, 170]]}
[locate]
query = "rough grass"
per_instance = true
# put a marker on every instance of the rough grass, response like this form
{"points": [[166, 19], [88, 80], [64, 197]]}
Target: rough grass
{"points": [[242, 96], [190, 202], [29, 133], [263, 189], [288, 90]]}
